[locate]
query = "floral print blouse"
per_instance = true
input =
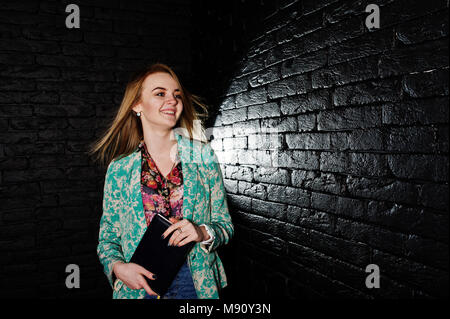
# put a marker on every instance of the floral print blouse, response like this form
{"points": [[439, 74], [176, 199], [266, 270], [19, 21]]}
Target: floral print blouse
{"points": [[160, 194]]}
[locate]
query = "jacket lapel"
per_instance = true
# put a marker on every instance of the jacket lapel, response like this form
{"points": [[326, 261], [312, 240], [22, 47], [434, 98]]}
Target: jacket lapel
{"points": [[136, 216], [190, 182]]}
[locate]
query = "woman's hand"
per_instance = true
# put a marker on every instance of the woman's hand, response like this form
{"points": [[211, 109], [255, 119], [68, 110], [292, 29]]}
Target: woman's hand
{"points": [[185, 231], [132, 275]]}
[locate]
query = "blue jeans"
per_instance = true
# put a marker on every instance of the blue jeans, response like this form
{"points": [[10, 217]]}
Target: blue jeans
{"points": [[182, 286]]}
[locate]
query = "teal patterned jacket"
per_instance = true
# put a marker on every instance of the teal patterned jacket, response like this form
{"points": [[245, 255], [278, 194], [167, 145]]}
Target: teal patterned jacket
{"points": [[122, 224]]}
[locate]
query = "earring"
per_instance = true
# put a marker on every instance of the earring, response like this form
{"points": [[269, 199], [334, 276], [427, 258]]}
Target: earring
{"points": [[138, 114]]}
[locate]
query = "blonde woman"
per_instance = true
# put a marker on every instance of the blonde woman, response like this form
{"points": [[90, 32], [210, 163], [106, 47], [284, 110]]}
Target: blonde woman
{"points": [[157, 165]]}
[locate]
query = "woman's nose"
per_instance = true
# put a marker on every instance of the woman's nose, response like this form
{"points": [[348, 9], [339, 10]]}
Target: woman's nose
{"points": [[171, 99]]}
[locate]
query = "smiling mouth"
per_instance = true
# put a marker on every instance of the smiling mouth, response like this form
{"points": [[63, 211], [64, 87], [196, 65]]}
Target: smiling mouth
{"points": [[168, 113]]}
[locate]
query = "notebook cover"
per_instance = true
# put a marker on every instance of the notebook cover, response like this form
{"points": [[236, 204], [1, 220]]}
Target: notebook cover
{"points": [[154, 254]]}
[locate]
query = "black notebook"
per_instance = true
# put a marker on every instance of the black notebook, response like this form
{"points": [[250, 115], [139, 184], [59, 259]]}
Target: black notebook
{"points": [[156, 256]]}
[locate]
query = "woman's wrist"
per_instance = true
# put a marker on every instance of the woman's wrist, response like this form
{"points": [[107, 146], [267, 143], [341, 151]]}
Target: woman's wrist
{"points": [[205, 236], [114, 267]]}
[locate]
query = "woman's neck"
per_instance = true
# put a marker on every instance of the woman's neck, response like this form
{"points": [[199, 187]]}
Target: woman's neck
{"points": [[159, 142]]}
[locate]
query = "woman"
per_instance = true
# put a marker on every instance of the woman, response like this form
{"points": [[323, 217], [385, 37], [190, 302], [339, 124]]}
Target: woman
{"points": [[157, 166]]}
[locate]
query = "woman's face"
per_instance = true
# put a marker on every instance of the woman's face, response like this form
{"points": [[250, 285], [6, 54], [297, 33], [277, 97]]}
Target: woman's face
{"points": [[161, 103]]}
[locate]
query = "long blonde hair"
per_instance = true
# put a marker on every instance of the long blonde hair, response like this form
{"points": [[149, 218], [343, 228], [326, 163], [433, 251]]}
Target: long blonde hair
{"points": [[125, 132]]}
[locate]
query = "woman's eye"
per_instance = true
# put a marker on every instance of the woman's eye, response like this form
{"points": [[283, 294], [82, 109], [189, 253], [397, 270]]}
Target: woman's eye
{"points": [[160, 93], [178, 96]]}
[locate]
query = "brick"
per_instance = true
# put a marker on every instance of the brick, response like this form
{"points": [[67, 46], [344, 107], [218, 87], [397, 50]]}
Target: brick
{"points": [[252, 64], [317, 100], [411, 139], [35, 148], [361, 164], [242, 203], [254, 96], [431, 27], [316, 181], [434, 196], [252, 190], [308, 141], [109, 38], [303, 64], [367, 92], [344, 73], [271, 141], [29, 72], [243, 173], [269, 209], [369, 44], [442, 134], [263, 110], [424, 167], [238, 85], [424, 111], [278, 125], [255, 157], [362, 140], [413, 273], [246, 128], [271, 175], [228, 103], [230, 185], [349, 118], [87, 50], [63, 110], [17, 85], [52, 31], [307, 122], [396, 13], [301, 26], [13, 58], [234, 115], [235, 143], [422, 57], [265, 76], [299, 84], [423, 222], [373, 236], [298, 159], [383, 190], [427, 251], [13, 176], [289, 195], [26, 46], [437, 83]]}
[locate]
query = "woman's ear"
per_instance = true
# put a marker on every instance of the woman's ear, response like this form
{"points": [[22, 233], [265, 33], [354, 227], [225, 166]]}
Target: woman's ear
{"points": [[137, 107]]}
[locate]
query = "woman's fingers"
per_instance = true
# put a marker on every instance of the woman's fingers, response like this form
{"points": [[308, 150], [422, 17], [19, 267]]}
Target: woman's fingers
{"points": [[174, 220], [147, 273], [186, 240], [172, 227], [177, 237], [146, 287]]}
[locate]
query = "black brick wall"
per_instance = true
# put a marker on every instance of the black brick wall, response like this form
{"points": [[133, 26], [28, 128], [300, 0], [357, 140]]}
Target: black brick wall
{"points": [[59, 88], [361, 148], [362, 157]]}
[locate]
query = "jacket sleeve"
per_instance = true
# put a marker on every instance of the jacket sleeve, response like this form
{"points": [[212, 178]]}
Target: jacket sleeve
{"points": [[109, 249], [220, 224]]}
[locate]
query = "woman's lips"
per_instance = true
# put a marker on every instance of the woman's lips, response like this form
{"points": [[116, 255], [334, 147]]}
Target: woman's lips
{"points": [[168, 114]]}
